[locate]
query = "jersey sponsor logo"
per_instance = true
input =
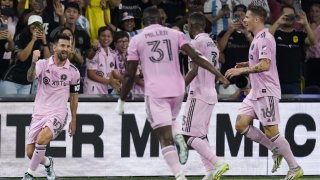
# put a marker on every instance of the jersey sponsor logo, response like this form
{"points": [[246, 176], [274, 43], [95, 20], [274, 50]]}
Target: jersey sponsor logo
{"points": [[48, 81]]}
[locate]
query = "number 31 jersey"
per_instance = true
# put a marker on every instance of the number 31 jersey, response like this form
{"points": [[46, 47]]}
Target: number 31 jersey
{"points": [[157, 48]]}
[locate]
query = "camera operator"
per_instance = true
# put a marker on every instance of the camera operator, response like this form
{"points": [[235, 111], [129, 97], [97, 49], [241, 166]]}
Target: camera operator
{"points": [[234, 46], [290, 48]]}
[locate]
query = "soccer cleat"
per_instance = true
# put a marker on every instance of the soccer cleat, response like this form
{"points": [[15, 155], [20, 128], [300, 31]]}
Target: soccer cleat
{"points": [[49, 169], [182, 148], [294, 173], [180, 176], [219, 169], [277, 159], [27, 176]]}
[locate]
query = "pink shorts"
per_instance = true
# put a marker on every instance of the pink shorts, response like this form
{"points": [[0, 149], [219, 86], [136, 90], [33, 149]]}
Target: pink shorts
{"points": [[266, 109], [162, 111], [196, 118], [54, 122]]}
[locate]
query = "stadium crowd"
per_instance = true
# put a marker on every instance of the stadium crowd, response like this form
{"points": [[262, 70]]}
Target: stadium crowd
{"points": [[100, 31]]}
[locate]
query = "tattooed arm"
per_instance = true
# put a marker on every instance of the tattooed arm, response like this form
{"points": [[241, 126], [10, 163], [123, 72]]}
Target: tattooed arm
{"points": [[263, 65]]}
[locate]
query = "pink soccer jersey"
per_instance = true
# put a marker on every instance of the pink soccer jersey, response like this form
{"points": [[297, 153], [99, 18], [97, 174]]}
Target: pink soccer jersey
{"points": [[264, 83], [203, 85], [103, 63], [120, 63], [54, 87], [157, 48]]}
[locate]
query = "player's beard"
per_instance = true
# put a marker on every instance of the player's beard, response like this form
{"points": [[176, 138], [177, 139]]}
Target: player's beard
{"points": [[63, 55]]}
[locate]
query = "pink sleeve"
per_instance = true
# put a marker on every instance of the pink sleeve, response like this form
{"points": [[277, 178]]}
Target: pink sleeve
{"points": [[92, 64], [264, 49], [75, 77], [133, 54], [40, 65]]}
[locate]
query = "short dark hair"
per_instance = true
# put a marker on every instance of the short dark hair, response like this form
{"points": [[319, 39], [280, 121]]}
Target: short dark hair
{"points": [[73, 5], [197, 18], [287, 6], [240, 7], [151, 15], [60, 36], [258, 11], [120, 34], [104, 28]]}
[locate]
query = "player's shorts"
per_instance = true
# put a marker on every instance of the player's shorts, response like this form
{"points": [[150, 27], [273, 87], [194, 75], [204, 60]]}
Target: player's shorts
{"points": [[54, 122], [265, 109], [162, 111], [196, 117]]}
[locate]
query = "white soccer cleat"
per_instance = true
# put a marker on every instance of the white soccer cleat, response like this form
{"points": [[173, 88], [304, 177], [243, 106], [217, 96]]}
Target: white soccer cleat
{"points": [[182, 148], [294, 173], [218, 169], [49, 169], [277, 159], [27, 176], [180, 176]]}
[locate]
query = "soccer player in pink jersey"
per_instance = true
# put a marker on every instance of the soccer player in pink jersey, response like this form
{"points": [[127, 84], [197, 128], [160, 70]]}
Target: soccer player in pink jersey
{"points": [[202, 97], [58, 81], [157, 48], [263, 100]]}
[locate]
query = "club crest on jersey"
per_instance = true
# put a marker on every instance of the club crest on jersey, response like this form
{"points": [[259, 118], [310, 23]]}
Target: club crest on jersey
{"points": [[63, 77], [111, 64], [100, 73]]}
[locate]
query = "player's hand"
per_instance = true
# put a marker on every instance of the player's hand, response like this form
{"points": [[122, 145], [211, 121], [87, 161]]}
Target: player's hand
{"points": [[225, 82], [115, 83], [72, 127], [120, 107], [233, 72], [242, 64], [35, 56]]}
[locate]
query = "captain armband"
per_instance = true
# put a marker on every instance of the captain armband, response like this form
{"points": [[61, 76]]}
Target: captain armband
{"points": [[74, 88]]}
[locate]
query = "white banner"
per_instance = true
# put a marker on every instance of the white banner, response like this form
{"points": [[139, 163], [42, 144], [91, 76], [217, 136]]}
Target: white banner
{"points": [[110, 145]]}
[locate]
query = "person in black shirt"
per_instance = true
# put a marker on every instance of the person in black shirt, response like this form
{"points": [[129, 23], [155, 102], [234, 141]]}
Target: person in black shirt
{"points": [[290, 48], [32, 38], [6, 45], [234, 46]]}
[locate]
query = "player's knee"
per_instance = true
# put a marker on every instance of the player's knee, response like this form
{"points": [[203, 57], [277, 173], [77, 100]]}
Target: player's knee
{"points": [[240, 127], [44, 136]]}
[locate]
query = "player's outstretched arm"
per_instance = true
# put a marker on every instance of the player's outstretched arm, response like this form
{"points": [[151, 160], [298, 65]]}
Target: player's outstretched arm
{"points": [[263, 65], [201, 61], [31, 74]]}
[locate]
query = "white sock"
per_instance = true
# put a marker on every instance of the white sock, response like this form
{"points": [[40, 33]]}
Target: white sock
{"points": [[45, 161], [31, 172]]}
